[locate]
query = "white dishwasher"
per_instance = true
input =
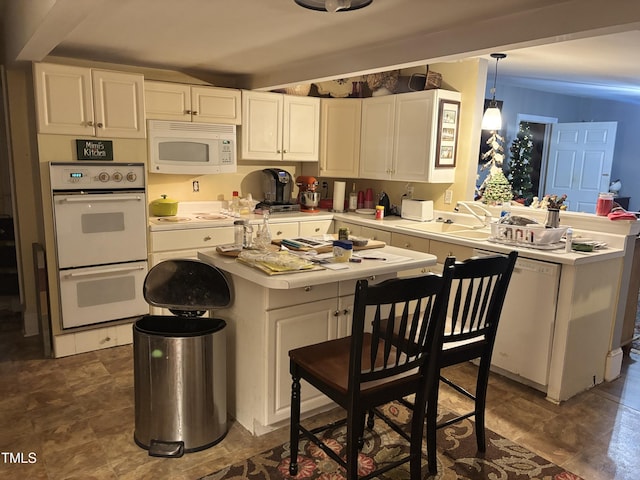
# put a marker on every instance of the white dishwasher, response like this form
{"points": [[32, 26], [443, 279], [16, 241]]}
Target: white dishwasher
{"points": [[525, 332]]}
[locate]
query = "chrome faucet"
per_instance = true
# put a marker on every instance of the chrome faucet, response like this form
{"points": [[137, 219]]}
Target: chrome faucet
{"points": [[468, 206]]}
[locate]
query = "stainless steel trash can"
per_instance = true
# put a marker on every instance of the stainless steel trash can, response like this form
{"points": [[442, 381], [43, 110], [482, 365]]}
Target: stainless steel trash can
{"points": [[180, 369]]}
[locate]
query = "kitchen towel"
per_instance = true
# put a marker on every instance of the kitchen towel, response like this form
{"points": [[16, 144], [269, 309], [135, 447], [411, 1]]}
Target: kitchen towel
{"points": [[338, 196]]}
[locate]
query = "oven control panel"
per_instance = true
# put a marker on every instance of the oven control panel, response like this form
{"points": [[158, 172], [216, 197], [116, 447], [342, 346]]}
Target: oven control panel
{"points": [[96, 176]]}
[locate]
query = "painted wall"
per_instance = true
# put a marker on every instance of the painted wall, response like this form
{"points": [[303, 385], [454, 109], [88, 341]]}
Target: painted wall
{"points": [[566, 108]]}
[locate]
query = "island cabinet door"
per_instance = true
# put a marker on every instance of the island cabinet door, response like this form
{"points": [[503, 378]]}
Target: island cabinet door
{"points": [[290, 328]]}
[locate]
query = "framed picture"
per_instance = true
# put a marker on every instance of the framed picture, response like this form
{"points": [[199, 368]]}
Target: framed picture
{"points": [[448, 113]]}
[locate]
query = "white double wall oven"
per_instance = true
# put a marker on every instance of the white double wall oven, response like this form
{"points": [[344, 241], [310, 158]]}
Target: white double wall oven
{"points": [[101, 247]]}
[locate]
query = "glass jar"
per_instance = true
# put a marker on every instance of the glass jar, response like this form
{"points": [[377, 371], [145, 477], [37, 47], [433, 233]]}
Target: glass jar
{"points": [[604, 204], [238, 234]]}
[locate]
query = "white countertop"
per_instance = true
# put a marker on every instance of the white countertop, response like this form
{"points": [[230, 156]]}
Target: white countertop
{"points": [[614, 248], [365, 269], [615, 241]]}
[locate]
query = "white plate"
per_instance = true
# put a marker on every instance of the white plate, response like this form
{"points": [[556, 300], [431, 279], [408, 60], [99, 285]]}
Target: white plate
{"points": [[366, 211]]}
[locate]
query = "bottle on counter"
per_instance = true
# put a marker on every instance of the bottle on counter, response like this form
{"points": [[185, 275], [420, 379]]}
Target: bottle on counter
{"points": [[235, 203], [238, 234], [263, 233], [568, 240], [353, 199], [379, 212]]}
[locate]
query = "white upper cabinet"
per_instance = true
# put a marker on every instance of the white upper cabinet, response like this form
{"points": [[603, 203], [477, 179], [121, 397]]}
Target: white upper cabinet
{"points": [[192, 103], [340, 120], [82, 101], [403, 139], [280, 127]]}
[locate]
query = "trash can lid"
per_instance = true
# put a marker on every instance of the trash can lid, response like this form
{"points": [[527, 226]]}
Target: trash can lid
{"points": [[187, 285]]}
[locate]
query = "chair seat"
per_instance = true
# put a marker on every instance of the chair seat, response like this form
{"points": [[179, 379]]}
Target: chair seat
{"points": [[329, 361]]}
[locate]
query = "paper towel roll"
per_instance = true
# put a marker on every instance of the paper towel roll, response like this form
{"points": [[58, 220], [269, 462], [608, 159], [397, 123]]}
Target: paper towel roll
{"points": [[338, 196]]}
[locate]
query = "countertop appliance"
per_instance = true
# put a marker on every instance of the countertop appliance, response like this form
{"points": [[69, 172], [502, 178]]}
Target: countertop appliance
{"points": [[525, 332], [191, 148], [100, 223], [277, 186], [419, 210], [308, 197]]}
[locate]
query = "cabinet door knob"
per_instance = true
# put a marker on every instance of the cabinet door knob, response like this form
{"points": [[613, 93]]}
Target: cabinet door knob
{"points": [[99, 125], [195, 112], [278, 151], [188, 112], [284, 151], [307, 288], [207, 238], [279, 232], [372, 278], [346, 311], [407, 245], [317, 229], [90, 123], [336, 313]]}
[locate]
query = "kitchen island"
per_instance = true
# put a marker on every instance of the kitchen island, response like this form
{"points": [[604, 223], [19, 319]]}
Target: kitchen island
{"points": [[271, 315]]}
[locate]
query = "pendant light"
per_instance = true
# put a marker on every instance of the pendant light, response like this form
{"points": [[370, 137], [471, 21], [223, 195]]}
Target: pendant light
{"points": [[492, 118], [333, 5]]}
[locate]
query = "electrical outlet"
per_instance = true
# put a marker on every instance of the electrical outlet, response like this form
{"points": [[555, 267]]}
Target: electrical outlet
{"points": [[448, 196]]}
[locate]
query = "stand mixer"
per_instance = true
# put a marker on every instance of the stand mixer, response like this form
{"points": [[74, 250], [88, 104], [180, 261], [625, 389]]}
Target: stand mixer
{"points": [[308, 198]]}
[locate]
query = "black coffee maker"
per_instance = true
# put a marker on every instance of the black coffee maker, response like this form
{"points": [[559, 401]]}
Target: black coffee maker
{"points": [[277, 186]]}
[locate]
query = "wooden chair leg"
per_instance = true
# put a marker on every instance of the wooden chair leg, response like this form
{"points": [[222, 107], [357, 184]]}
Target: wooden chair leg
{"points": [[354, 426], [417, 430], [294, 434], [431, 421], [480, 403]]}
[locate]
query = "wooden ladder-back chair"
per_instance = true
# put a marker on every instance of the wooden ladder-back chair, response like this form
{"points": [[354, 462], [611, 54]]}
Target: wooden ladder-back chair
{"points": [[367, 369], [478, 290]]}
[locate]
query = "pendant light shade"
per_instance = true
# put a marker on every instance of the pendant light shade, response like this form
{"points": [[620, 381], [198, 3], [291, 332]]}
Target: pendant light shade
{"points": [[492, 118], [333, 5]]}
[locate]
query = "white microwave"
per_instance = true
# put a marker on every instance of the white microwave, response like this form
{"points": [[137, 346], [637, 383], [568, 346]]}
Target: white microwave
{"points": [[191, 148]]}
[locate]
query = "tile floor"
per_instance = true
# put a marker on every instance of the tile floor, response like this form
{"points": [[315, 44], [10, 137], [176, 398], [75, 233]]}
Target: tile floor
{"points": [[76, 415]]}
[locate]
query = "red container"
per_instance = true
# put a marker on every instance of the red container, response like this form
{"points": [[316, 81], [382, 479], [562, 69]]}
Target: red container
{"points": [[368, 199], [604, 204]]}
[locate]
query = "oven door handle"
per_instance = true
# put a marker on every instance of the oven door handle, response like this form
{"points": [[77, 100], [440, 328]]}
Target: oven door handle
{"points": [[101, 198], [102, 271]]}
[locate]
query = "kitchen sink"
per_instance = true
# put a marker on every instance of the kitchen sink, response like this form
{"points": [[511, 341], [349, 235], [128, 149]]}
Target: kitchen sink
{"points": [[439, 227]]}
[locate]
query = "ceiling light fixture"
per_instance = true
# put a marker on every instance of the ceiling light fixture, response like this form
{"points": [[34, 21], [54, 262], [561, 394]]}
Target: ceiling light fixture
{"points": [[333, 5], [492, 118]]}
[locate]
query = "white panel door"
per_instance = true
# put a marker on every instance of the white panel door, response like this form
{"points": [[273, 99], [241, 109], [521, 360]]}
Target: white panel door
{"points": [[579, 165]]}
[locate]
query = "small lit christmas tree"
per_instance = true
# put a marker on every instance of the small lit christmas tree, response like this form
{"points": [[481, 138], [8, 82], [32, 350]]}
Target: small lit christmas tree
{"points": [[498, 189], [520, 164], [495, 188]]}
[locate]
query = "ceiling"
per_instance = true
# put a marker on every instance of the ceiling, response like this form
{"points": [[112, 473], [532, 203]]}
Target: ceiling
{"points": [[271, 43]]}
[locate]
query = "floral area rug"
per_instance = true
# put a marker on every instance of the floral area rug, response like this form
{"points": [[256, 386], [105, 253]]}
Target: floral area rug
{"points": [[458, 457]]}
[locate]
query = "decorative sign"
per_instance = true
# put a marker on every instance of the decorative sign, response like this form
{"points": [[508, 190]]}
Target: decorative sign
{"points": [[448, 114], [94, 149]]}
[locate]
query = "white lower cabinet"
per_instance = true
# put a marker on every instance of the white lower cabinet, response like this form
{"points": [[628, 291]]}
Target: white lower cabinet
{"points": [[284, 230], [91, 340], [315, 227], [412, 242], [362, 231], [289, 328]]}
